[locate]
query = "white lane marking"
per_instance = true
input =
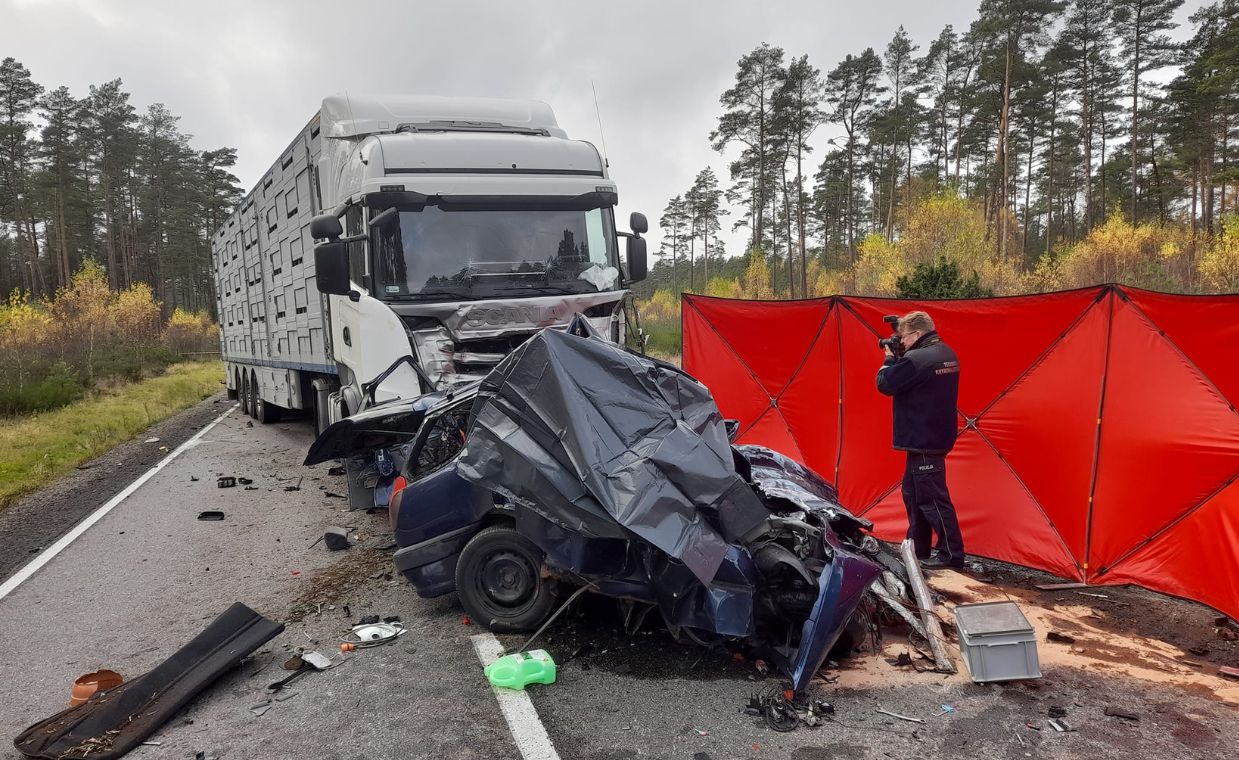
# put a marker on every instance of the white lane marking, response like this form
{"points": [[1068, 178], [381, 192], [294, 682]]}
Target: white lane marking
{"points": [[21, 576], [527, 729]]}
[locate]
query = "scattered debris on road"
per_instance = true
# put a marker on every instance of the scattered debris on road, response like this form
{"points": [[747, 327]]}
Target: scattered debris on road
{"points": [[1115, 712], [516, 671], [106, 727], [900, 717], [336, 538], [226, 481], [375, 634], [783, 710], [87, 685], [211, 515]]}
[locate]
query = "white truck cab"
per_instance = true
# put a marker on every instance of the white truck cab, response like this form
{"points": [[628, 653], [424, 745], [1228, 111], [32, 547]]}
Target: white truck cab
{"points": [[445, 231]]}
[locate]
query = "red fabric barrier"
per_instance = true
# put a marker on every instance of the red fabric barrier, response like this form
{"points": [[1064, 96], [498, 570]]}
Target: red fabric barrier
{"points": [[1099, 438]]}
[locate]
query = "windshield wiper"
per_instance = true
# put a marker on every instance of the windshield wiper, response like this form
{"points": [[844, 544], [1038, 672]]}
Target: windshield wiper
{"points": [[427, 292], [541, 287]]}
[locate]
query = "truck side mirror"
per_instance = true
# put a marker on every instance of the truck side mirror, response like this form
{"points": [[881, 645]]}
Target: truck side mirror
{"points": [[637, 268], [331, 266], [637, 222], [325, 227]]}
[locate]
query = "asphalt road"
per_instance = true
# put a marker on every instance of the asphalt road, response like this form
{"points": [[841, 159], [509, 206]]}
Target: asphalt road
{"points": [[149, 576]]}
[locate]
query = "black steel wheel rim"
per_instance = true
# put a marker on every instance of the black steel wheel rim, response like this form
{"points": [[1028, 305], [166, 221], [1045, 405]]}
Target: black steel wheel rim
{"points": [[507, 580]]}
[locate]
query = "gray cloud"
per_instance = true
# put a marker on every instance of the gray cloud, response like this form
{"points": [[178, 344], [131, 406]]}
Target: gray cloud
{"points": [[249, 74]]}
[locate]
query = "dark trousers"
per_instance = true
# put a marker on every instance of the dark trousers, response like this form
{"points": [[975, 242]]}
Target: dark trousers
{"points": [[930, 511]]}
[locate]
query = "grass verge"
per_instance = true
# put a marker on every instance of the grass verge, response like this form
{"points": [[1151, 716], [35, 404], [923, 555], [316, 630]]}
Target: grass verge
{"points": [[36, 449]]}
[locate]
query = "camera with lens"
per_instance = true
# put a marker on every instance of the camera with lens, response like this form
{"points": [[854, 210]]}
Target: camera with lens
{"points": [[894, 343]]}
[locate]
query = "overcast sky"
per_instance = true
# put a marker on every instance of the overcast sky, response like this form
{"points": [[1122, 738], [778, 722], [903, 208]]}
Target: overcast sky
{"points": [[250, 74]]}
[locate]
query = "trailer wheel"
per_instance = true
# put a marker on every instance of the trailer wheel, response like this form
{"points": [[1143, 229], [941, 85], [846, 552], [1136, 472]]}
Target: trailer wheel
{"points": [[243, 386], [267, 413], [500, 584], [253, 396]]}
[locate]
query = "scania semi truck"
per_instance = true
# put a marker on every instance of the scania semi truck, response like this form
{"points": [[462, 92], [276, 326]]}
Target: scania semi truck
{"points": [[405, 244], [449, 230]]}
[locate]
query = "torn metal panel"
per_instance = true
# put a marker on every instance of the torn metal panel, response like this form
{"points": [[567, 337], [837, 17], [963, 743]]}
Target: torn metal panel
{"points": [[461, 341], [776, 476], [841, 587]]}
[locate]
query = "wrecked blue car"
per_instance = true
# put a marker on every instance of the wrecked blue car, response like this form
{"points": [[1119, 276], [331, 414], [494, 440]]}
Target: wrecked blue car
{"points": [[579, 463]]}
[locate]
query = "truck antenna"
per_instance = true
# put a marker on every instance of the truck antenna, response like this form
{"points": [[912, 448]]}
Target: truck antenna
{"points": [[606, 162]]}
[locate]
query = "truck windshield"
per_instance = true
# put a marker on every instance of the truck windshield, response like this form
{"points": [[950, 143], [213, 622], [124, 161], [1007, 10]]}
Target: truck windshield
{"points": [[441, 255]]}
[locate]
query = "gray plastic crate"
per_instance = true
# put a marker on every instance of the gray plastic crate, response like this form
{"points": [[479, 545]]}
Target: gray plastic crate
{"points": [[997, 642]]}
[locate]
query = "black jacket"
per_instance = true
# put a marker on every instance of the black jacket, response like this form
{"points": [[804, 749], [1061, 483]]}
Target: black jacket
{"points": [[925, 386]]}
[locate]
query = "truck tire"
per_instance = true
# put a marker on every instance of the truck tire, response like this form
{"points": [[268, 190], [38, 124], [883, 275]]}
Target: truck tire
{"points": [[253, 396], [500, 584], [267, 413], [244, 388]]}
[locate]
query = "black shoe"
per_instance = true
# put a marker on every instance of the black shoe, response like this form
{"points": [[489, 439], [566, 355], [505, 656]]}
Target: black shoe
{"points": [[936, 562]]}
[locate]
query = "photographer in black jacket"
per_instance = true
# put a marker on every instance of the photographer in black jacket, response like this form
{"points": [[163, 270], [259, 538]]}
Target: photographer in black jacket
{"points": [[924, 381]]}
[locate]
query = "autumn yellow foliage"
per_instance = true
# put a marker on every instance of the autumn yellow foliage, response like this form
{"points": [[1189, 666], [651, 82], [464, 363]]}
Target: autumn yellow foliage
{"points": [[1140, 255], [756, 281], [52, 351], [191, 332], [1219, 266], [939, 226]]}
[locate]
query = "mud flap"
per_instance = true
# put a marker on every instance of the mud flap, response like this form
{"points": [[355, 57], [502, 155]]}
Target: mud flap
{"points": [[111, 723]]}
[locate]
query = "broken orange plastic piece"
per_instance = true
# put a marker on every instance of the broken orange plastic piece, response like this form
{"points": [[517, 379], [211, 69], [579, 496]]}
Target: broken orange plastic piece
{"points": [[87, 685]]}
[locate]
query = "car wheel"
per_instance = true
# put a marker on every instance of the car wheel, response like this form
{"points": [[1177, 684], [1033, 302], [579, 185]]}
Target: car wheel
{"points": [[500, 584]]}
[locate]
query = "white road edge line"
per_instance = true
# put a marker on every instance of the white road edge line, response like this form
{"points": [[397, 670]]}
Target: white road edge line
{"points": [[523, 721], [22, 575]]}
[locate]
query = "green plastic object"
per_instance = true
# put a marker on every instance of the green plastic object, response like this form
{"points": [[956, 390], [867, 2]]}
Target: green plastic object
{"points": [[516, 671]]}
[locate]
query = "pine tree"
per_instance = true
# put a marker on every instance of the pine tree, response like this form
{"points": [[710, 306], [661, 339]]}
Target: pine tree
{"points": [[852, 88], [1087, 41], [1010, 25], [674, 219], [112, 137], [898, 65], [748, 120], [1142, 25], [64, 186], [801, 97], [18, 97]]}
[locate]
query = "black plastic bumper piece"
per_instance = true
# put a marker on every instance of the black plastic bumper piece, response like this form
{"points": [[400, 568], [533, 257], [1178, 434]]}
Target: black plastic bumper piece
{"points": [[111, 723]]}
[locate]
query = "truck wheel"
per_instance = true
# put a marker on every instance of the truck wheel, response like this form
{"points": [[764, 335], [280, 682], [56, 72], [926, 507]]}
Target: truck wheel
{"points": [[268, 413], [500, 584], [253, 396], [244, 388]]}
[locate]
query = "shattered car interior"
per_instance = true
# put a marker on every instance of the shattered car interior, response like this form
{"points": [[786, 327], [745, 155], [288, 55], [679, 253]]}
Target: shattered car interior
{"points": [[578, 463]]}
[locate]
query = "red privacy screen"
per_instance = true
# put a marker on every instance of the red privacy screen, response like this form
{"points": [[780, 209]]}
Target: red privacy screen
{"points": [[1098, 433]]}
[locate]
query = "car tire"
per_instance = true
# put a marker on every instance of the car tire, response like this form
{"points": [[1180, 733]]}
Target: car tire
{"points": [[500, 584]]}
